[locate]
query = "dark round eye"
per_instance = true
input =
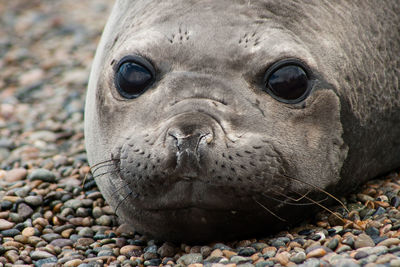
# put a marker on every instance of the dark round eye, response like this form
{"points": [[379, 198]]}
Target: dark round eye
{"points": [[287, 82], [134, 75]]}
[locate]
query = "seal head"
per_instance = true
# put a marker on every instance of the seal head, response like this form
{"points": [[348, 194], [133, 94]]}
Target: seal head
{"points": [[220, 119]]}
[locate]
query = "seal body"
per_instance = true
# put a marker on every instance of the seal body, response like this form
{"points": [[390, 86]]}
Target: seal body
{"points": [[188, 138]]}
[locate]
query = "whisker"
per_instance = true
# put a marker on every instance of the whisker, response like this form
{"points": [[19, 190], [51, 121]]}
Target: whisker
{"points": [[101, 166], [102, 162], [325, 208], [104, 173], [94, 166], [319, 189], [121, 187], [291, 203], [271, 212], [129, 194]]}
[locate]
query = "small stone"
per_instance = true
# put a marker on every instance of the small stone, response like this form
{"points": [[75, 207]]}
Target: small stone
{"points": [[5, 225], [152, 262], [333, 243], [29, 231], [38, 255], [97, 212], [50, 237], [129, 250], [73, 263], [316, 253], [360, 255], [12, 255], [372, 232], [125, 229], [395, 263], [239, 259], [34, 200], [24, 210], [86, 232], [217, 253], [348, 240], [282, 258], [10, 232], [61, 242], [298, 257], [190, 259], [105, 252], [247, 251], [104, 220], [15, 175], [167, 250], [46, 262], [229, 253], [205, 251], [73, 204], [363, 240], [389, 242], [42, 175]]}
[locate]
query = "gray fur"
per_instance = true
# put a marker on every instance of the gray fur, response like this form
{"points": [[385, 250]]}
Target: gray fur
{"points": [[254, 150]]}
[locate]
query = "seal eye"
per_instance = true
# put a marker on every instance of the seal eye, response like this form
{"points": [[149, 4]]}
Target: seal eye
{"points": [[288, 82], [133, 77]]}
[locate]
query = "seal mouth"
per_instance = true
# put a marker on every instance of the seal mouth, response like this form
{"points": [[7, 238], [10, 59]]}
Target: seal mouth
{"points": [[189, 193]]}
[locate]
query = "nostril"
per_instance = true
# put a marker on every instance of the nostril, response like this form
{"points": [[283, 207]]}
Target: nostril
{"points": [[190, 141]]}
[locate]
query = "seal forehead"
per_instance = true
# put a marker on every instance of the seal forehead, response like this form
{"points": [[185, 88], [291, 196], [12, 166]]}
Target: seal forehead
{"points": [[213, 34]]}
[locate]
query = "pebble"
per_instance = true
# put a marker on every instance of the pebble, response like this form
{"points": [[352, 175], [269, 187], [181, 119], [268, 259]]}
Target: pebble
{"points": [[15, 175], [298, 257], [61, 242], [34, 200], [389, 242], [38, 255], [5, 225], [363, 240], [42, 175], [190, 258], [24, 210]]}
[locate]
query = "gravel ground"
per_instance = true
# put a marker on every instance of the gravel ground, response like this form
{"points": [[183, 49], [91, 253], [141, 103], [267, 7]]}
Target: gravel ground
{"points": [[48, 219]]}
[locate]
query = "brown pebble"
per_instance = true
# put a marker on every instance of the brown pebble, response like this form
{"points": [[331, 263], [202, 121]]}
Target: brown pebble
{"points": [[28, 232], [12, 255], [125, 229], [73, 263], [87, 221], [16, 175], [316, 253], [4, 214], [40, 221], [5, 225], [268, 249], [228, 253], [12, 244], [216, 253], [195, 265], [12, 199], [21, 239], [255, 257], [128, 250], [389, 242], [67, 233], [282, 258], [382, 204]]}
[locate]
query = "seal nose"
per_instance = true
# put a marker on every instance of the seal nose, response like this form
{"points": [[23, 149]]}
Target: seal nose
{"points": [[189, 140]]}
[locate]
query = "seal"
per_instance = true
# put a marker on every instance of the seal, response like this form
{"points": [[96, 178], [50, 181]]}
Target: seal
{"points": [[226, 119]]}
